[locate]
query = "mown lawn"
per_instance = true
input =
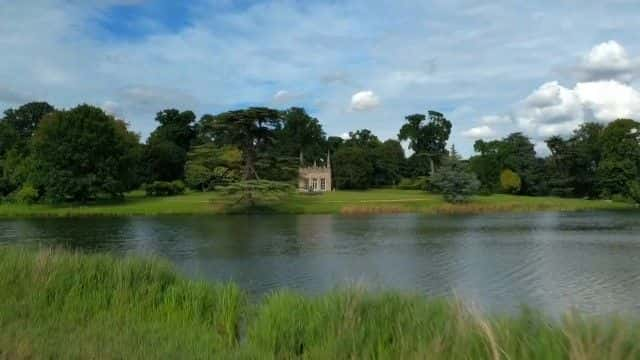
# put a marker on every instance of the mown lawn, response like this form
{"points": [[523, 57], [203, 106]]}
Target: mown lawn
{"points": [[59, 305], [345, 202]]}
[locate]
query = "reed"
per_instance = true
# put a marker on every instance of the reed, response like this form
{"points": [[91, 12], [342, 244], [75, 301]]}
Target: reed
{"points": [[57, 304]]}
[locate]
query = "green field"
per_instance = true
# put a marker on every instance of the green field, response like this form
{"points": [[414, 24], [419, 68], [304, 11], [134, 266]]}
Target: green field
{"points": [[65, 306], [345, 202]]}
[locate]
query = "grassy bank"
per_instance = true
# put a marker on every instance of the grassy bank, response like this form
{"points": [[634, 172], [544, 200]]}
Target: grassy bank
{"points": [[61, 305], [339, 202]]}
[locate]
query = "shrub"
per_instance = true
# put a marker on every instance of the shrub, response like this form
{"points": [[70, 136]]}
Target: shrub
{"points": [[165, 188], [634, 191], [454, 181], [510, 181], [26, 195]]}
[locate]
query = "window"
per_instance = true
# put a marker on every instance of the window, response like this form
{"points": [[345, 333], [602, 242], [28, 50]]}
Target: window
{"points": [[314, 187], [322, 184]]}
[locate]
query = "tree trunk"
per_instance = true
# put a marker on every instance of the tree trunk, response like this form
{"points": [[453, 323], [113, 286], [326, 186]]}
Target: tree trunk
{"points": [[432, 165]]}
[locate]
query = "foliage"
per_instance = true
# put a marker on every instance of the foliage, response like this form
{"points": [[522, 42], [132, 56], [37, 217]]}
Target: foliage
{"points": [[301, 134], [248, 195], [388, 162], [454, 181], [26, 195], [352, 168], [515, 152], [620, 162], [25, 119], [251, 130], [168, 144], [209, 166], [428, 139], [165, 188], [634, 191], [510, 182], [81, 153]]}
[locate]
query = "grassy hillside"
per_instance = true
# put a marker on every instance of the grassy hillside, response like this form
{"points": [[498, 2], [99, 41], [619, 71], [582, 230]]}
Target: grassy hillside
{"points": [[61, 305], [345, 202]]}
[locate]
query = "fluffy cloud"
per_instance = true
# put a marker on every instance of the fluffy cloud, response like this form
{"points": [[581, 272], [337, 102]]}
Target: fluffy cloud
{"points": [[479, 132], [608, 61], [364, 100], [553, 109], [496, 120]]}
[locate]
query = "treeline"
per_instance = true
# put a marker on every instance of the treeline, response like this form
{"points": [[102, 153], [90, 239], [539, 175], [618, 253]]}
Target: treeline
{"points": [[83, 153]]}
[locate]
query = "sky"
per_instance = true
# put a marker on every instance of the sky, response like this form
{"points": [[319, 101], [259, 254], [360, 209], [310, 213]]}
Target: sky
{"points": [[495, 67]]}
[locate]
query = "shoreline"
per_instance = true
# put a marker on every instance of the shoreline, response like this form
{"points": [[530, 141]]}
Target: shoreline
{"points": [[348, 203]]}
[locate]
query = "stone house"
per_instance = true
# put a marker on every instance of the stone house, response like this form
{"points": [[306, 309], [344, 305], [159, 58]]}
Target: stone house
{"points": [[316, 178]]}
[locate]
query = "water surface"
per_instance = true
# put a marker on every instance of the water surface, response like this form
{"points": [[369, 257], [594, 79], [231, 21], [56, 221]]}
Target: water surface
{"points": [[549, 261]]}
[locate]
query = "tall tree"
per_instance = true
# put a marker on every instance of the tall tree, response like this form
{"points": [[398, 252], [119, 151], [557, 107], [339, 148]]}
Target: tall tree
{"points": [[428, 138], [26, 118], [169, 143], [620, 156], [251, 130], [301, 134], [81, 153]]}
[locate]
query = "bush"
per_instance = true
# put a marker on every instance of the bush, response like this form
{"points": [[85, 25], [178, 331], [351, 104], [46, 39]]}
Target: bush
{"points": [[26, 195], [510, 181], [454, 181], [165, 188], [634, 191]]}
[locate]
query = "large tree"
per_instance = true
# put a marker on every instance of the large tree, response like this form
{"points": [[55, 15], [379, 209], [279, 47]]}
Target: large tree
{"points": [[352, 169], [251, 130], [169, 143], [301, 134], [427, 138], [620, 162], [81, 153]]}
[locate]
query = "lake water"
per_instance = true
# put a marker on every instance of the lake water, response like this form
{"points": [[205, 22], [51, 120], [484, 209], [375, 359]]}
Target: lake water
{"points": [[549, 261]]}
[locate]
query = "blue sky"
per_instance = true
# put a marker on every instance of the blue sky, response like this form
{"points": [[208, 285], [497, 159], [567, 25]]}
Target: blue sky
{"points": [[494, 67]]}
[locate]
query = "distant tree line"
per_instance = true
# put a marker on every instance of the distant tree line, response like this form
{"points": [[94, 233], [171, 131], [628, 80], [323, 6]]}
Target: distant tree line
{"points": [[83, 153]]}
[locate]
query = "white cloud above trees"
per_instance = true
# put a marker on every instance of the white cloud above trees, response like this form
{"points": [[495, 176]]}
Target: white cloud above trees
{"points": [[364, 100]]}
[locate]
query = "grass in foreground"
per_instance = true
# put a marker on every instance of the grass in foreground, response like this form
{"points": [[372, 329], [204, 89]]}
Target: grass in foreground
{"points": [[379, 201], [61, 305]]}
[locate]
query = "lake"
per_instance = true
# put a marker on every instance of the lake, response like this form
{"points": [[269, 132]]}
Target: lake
{"points": [[549, 261]]}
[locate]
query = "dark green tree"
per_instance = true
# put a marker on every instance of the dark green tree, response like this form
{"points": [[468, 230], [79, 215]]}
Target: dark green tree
{"points": [[388, 162], [301, 134], [252, 130], [168, 144], [427, 138], [209, 166], [82, 153], [620, 156], [352, 169]]}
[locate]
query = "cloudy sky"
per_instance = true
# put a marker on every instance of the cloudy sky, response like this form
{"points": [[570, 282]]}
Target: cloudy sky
{"points": [[541, 67]]}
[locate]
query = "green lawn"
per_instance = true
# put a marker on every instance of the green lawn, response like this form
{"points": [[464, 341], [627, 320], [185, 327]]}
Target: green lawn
{"points": [[345, 202], [58, 305]]}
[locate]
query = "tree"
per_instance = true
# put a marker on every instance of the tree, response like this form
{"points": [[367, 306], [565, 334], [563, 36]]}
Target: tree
{"points": [[26, 118], [510, 181], [388, 162], [81, 153], [167, 146], [248, 195], [634, 191], [454, 181], [429, 138], [301, 134], [352, 169], [252, 131], [209, 166], [620, 162]]}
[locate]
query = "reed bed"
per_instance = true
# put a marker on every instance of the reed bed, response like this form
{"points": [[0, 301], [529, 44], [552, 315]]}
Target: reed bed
{"points": [[57, 304]]}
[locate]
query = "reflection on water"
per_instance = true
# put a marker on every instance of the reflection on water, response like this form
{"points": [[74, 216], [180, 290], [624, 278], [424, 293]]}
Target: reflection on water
{"points": [[550, 261]]}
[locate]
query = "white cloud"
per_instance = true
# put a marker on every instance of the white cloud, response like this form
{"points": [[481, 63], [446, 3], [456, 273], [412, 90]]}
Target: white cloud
{"points": [[608, 61], [345, 136], [479, 132], [364, 100], [553, 109], [284, 97], [496, 120]]}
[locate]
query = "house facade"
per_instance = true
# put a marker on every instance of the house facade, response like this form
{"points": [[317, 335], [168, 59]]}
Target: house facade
{"points": [[316, 178]]}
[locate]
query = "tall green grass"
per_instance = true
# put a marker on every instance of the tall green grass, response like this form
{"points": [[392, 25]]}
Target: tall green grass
{"points": [[57, 304]]}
